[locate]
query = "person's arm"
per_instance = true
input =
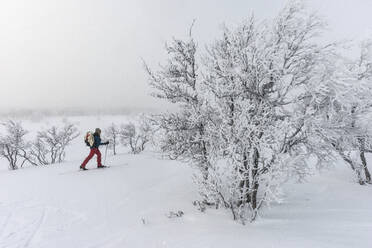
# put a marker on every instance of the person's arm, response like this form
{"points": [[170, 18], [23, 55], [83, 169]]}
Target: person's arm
{"points": [[97, 141]]}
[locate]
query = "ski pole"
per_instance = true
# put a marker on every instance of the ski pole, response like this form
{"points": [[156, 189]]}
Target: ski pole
{"points": [[105, 155]]}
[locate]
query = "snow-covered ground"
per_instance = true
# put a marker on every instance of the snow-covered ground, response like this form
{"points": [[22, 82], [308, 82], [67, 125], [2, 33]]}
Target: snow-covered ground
{"points": [[127, 206]]}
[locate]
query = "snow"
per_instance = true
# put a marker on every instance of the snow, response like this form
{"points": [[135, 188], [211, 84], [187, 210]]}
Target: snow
{"points": [[127, 205]]}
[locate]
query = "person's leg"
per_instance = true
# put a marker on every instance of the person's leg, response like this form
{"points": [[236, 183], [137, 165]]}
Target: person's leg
{"points": [[98, 153], [91, 154]]}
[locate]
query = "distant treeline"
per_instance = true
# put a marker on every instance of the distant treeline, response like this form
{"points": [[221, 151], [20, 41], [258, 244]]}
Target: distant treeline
{"points": [[36, 113]]}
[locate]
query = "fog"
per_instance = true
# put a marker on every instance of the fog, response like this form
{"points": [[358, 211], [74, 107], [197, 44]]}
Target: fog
{"points": [[87, 53]]}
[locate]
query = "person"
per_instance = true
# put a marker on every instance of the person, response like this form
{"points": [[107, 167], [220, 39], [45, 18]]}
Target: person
{"points": [[94, 150]]}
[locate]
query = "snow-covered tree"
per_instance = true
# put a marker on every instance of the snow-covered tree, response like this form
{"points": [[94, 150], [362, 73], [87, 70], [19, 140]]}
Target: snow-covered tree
{"points": [[263, 77], [49, 146], [362, 105], [345, 108], [13, 146], [136, 137], [271, 96], [112, 132]]}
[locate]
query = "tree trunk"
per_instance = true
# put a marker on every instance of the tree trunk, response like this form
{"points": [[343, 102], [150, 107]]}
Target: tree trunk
{"points": [[363, 159], [244, 184], [255, 180], [350, 162], [205, 162], [361, 148]]}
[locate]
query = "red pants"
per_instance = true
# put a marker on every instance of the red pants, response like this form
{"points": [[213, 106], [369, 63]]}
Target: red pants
{"points": [[91, 154]]}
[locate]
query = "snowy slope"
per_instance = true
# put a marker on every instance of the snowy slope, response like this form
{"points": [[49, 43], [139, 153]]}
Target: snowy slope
{"points": [[126, 206]]}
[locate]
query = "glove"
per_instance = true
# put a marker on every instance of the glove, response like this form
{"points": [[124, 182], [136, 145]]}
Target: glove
{"points": [[106, 143]]}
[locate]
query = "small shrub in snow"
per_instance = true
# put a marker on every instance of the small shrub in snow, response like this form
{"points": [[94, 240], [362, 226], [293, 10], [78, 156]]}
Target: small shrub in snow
{"points": [[177, 214], [49, 146], [201, 206], [136, 137], [144, 221], [13, 146]]}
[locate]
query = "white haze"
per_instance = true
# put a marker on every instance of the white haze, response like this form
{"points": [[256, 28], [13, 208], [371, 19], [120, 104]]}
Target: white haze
{"points": [[87, 53]]}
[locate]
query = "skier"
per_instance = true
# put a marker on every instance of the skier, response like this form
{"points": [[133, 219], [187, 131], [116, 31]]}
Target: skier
{"points": [[94, 150]]}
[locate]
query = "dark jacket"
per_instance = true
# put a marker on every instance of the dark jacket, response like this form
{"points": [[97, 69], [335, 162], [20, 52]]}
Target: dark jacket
{"points": [[97, 141]]}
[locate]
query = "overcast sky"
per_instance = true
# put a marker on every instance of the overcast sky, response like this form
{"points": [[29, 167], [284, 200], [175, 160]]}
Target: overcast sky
{"points": [[87, 53]]}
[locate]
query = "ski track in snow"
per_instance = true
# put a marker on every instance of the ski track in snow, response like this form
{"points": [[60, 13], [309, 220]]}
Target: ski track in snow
{"points": [[36, 227], [89, 169], [3, 226]]}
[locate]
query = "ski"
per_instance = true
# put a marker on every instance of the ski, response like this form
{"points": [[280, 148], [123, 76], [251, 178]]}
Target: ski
{"points": [[97, 168]]}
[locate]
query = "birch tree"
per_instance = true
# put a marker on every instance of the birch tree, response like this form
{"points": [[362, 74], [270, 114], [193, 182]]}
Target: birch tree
{"points": [[13, 146], [50, 145]]}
